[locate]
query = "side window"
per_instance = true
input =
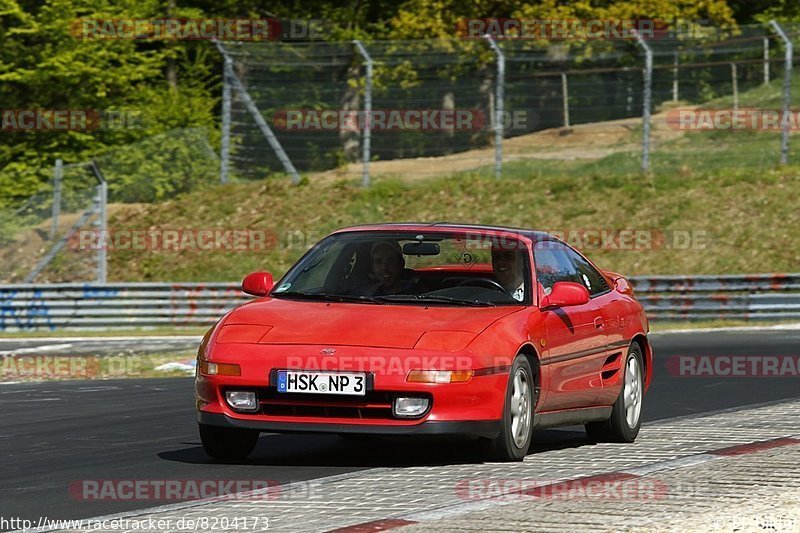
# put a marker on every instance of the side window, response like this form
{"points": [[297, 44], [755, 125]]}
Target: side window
{"points": [[553, 265], [589, 276]]}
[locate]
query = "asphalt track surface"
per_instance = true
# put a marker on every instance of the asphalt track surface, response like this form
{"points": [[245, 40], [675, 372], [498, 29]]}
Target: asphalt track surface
{"points": [[55, 433]]}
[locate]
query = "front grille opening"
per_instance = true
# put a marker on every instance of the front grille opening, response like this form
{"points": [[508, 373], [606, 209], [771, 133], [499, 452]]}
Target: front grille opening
{"points": [[373, 405], [360, 413]]}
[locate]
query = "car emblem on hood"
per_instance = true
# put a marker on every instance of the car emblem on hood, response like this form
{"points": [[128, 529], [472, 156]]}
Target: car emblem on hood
{"points": [[328, 351]]}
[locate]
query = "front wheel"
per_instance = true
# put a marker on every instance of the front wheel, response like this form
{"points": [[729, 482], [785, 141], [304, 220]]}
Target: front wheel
{"points": [[517, 427], [228, 444], [626, 419]]}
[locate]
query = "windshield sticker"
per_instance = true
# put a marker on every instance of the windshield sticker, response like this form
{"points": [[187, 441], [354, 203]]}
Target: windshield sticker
{"points": [[283, 287]]}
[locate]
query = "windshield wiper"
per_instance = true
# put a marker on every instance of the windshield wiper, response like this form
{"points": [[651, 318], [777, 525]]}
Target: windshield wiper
{"points": [[434, 298], [326, 297]]}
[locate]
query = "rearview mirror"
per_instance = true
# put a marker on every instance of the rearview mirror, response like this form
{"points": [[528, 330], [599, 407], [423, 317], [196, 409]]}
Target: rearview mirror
{"points": [[257, 283], [565, 294], [421, 248]]}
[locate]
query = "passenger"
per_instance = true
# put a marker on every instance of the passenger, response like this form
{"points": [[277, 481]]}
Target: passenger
{"points": [[508, 268]]}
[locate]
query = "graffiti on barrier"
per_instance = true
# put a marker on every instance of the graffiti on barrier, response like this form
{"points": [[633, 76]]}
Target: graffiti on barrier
{"points": [[27, 316]]}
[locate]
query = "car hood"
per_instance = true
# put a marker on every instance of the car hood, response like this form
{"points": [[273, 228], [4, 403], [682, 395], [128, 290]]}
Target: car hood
{"points": [[382, 326]]}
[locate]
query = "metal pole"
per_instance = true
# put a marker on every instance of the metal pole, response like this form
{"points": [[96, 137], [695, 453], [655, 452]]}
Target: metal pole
{"points": [[58, 174], [224, 156], [735, 85], [102, 222], [766, 60], [787, 91], [498, 127], [367, 134], [675, 77], [565, 98], [262, 124], [59, 245], [647, 97]]}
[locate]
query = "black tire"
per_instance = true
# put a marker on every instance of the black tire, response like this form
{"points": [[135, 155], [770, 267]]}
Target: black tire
{"points": [[504, 447], [617, 427], [228, 444]]}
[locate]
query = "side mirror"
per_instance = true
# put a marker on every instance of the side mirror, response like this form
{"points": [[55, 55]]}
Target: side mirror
{"points": [[620, 283], [565, 294], [257, 283], [623, 286]]}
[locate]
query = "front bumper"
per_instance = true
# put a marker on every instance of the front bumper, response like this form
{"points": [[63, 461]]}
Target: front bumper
{"points": [[468, 408], [475, 428]]}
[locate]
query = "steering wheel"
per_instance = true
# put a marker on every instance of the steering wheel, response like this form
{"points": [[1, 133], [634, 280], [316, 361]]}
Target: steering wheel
{"points": [[483, 282]]}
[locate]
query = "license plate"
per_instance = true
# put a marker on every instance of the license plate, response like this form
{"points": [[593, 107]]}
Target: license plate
{"points": [[353, 384]]}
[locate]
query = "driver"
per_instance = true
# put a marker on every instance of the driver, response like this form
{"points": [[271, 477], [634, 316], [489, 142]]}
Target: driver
{"points": [[508, 269], [387, 264]]}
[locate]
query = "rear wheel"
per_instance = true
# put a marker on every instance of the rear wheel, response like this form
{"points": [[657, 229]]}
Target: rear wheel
{"points": [[228, 444], [517, 427], [626, 419]]}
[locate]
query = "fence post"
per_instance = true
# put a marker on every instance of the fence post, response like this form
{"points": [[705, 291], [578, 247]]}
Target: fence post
{"points": [[735, 86], [565, 98], [260, 122], [224, 156], [498, 122], [675, 76], [787, 91], [58, 174], [102, 222], [367, 134], [647, 97], [766, 60]]}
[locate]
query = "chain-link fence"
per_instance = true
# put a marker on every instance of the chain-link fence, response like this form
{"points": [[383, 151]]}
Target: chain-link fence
{"points": [[56, 235], [357, 109]]}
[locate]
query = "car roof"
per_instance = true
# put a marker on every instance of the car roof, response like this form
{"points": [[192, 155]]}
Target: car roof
{"points": [[533, 235]]}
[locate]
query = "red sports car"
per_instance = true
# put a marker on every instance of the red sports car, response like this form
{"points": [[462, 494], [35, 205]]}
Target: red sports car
{"points": [[428, 329]]}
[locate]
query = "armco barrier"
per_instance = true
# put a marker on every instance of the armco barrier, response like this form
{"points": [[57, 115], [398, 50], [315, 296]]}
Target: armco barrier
{"points": [[128, 305], [748, 297], [115, 306]]}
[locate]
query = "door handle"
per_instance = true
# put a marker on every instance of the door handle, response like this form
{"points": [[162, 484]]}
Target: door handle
{"points": [[598, 323]]}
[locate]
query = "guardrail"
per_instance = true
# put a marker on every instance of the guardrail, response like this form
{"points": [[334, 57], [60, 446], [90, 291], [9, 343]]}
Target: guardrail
{"points": [[115, 306], [144, 305], [748, 297]]}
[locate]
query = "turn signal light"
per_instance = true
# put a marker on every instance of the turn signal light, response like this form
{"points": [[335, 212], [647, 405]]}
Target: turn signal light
{"points": [[439, 376], [220, 369]]}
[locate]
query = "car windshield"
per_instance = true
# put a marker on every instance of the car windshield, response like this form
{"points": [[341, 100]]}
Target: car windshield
{"points": [[412, 268]]}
